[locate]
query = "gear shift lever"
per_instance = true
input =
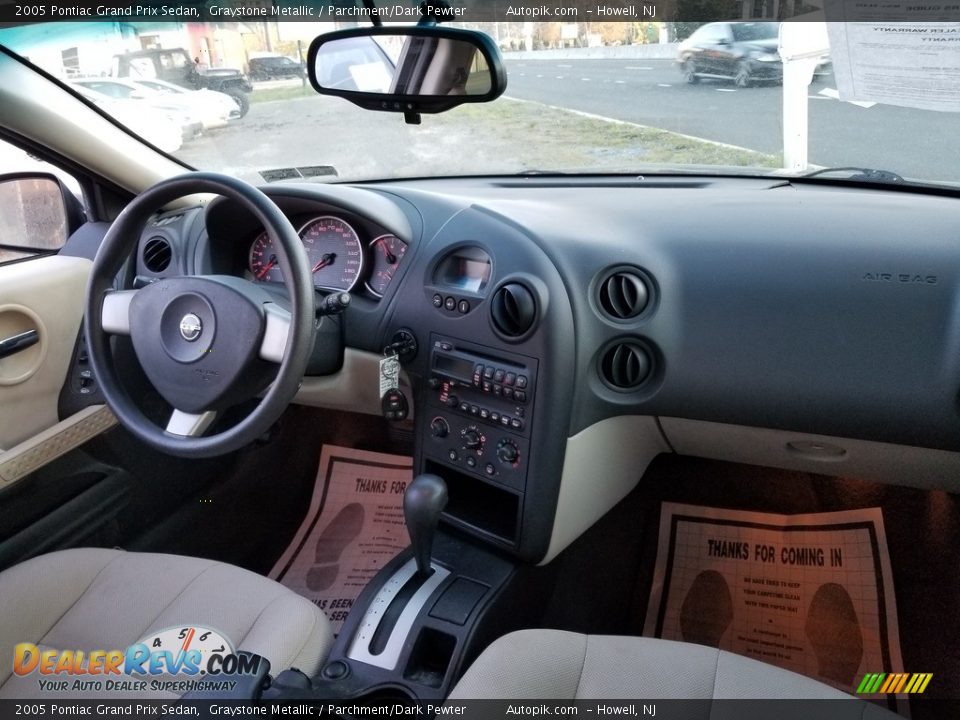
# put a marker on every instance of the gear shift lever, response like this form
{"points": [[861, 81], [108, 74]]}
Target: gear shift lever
{"points": [[424, 500]]}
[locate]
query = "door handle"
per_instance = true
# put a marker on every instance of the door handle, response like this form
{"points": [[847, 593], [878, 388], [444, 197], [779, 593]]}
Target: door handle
{"points": [[18, 342]]}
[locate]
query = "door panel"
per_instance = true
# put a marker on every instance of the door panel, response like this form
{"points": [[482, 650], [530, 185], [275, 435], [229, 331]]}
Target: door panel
{"points": [[44, 294]]}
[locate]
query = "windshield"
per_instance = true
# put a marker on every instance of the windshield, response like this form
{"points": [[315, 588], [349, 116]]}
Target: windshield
{"points": [[594, 97]]}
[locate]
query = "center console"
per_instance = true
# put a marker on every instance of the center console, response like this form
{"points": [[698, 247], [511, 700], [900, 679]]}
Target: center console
{"points": [[476, 429]]}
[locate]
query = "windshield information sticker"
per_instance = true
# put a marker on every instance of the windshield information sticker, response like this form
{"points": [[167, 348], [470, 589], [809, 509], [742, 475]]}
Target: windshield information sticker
{"points": [[888, 60], [810, 593]]}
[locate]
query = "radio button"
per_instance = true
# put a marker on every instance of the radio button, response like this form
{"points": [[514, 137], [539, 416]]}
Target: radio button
{"points": [[439, 427]]}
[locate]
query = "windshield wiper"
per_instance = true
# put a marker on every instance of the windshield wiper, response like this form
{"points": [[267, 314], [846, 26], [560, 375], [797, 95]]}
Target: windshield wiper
{"points": [[859, 174]]}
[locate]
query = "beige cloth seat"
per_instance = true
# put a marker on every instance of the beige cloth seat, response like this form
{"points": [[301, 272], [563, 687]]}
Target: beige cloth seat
{"points": [[96, 599], [552, 664]]}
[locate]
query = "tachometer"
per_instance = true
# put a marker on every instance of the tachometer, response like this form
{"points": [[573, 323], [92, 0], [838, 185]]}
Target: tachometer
{"points": [[335, 252], [387, 251], [264, 260]]}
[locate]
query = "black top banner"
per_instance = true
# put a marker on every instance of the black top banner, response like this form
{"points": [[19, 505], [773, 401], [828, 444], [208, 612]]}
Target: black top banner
{"points": [[469, 11]]}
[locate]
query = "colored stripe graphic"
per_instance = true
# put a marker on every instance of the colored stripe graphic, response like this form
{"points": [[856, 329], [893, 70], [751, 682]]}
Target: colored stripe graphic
{"points": [[894, 683]]}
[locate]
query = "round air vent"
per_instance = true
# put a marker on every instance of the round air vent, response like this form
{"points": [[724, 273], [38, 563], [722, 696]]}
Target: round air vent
{"points": [[624, 295], [513, 310], [626, 365], [157, 254]]}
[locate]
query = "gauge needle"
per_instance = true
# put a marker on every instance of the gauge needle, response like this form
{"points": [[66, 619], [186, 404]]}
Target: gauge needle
{"points": [[267, 268], [324, 261], [391, 258]]}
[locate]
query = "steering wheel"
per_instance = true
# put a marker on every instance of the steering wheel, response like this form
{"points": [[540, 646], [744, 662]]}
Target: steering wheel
{"points": [[205, 342]]}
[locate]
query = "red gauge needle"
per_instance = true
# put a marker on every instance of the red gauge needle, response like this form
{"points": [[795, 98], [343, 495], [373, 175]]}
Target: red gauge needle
{"points": [[262, 273], [324, 261], [391, 258]]}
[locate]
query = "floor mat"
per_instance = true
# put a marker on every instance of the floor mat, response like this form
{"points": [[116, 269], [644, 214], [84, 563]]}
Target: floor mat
{"points": [[353, 528], [812, 593]]}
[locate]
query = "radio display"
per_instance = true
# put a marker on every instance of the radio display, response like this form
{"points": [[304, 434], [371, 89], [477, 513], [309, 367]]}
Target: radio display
{"points": [[453, 366]]}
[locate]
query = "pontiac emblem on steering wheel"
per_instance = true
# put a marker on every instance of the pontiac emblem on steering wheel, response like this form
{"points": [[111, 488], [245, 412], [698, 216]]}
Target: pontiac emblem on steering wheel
{"points": [[190, 327]]}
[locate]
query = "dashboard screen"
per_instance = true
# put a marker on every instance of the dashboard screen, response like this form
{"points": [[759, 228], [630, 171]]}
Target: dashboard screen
{"points": [[463, 271], [453, 366]]}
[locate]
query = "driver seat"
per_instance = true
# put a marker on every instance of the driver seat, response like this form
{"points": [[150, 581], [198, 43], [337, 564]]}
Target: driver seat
{"points": [[98, 599]]}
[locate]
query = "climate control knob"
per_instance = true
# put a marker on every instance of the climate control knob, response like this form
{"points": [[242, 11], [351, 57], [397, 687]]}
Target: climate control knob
{"points": [[472, 439], [439, 427], [507, 452]]}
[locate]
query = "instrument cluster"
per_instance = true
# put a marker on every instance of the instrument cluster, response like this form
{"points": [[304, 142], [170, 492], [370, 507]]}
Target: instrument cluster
{"points": [[340, 257]]}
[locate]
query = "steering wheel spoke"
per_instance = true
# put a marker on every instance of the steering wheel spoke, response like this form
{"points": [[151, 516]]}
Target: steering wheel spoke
{"points": [[187, 424], [115, 311], [275, 333]]}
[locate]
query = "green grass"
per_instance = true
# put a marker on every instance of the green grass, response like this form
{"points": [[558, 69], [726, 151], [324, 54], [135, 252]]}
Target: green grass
{"points": [[281, 93], [573, 140]]}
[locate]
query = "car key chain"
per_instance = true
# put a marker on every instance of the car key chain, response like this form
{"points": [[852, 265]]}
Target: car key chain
{"points": [[393, 403]]}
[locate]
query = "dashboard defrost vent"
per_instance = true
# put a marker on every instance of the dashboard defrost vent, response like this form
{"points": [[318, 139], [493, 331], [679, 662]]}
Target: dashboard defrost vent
{"points": [[513, 310], [157, 254], [624, 295], [626, 365]]}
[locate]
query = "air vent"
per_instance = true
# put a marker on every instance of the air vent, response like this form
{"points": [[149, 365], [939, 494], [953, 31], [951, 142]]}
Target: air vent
{"points": [[624, 295], [513, 310], [626, 365], [157, 255]]}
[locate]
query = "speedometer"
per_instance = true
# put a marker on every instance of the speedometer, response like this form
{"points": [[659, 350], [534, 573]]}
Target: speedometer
{"points": [[335, 252]]}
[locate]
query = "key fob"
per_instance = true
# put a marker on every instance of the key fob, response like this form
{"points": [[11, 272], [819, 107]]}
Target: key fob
{"points": [[394, 405]]}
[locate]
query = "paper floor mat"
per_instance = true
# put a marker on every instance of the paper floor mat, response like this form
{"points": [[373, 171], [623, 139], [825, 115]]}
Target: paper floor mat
{"points": [[353, 528], [810, 593]]}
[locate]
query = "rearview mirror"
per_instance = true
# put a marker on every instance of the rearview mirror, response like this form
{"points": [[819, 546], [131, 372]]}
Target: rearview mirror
{"points": [[407, 69]]}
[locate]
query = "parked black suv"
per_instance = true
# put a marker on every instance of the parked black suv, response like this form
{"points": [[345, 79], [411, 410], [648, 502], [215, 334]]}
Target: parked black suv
{"points": [[275, 66], [743, 52], [175, 65]]}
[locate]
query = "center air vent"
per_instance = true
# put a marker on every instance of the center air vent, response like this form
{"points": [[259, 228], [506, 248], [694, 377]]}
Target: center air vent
{"points": [[157, 254], [623, 295], [513, 310], [626, 365]]}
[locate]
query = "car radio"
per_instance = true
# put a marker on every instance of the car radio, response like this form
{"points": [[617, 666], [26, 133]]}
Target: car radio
{"points": [[480, 407]]}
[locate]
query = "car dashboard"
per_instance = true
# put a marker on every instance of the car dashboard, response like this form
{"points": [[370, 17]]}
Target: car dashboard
{"points": [[567, 330]]}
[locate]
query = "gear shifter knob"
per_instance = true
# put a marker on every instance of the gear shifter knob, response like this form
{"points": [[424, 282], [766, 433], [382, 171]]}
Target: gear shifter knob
{"points": [[424, 500]]}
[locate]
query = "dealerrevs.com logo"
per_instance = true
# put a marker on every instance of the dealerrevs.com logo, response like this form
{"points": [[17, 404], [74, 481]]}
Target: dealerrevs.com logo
{"points": [[178, 659]]}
